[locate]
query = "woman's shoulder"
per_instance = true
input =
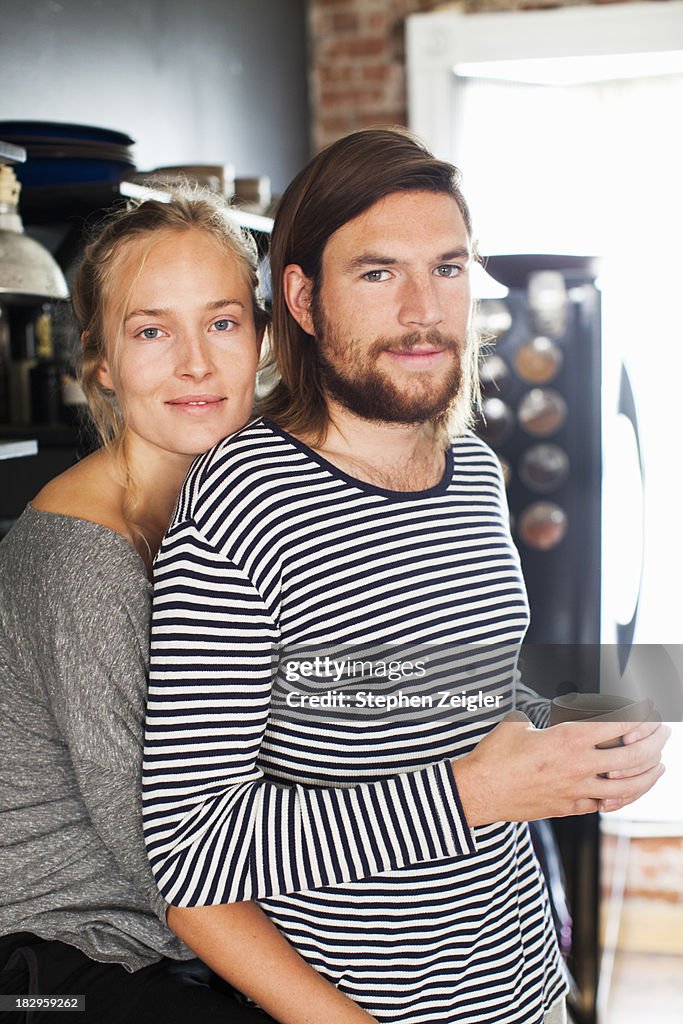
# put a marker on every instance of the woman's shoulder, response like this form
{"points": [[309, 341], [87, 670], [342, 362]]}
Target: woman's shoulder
{"points": [[72, 530], [85, 492], [44, 544]]}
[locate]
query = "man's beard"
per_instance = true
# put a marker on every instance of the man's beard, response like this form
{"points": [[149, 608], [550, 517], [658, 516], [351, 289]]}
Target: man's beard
{"points": [[355, 381]]}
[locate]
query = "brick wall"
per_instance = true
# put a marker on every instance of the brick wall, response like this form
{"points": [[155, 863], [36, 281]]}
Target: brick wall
{"points": [[652, 912], [357, 59], [655, 868]]}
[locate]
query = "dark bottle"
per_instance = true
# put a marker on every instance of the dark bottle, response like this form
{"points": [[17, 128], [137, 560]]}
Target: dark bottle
{"points": [[46, 374], [5, 356], [23, 359]]}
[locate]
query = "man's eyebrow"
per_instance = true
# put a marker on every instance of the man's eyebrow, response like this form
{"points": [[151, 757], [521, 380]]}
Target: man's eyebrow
{"points": [[210, 306], [463, 252], [367, 259]]}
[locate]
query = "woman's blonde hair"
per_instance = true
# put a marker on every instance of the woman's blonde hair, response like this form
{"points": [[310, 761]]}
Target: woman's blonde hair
{"points": [[184, 208]]}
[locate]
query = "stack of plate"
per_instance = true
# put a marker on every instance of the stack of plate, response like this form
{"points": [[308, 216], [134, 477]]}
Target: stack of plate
{"points": [[68, 154]]}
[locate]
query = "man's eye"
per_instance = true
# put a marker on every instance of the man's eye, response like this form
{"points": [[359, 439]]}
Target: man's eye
{"points": [[224, 324], [448, 270], [376, 275], [150, 333]]}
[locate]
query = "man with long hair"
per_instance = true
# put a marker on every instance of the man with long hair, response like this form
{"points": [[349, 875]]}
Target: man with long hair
{"points": [[338, 608]]}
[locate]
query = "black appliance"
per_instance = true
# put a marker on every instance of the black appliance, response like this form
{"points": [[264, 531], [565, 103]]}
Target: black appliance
{"points": [[541, 413]]}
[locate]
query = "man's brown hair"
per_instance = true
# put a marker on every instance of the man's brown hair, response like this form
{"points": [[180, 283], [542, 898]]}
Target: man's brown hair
{"points": [[340, 183]]}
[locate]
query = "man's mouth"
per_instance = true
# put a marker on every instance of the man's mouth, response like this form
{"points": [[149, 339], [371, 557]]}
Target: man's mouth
{"points": [[418, 357]]}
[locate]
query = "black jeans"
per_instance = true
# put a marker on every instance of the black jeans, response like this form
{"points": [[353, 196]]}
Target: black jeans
{"points": [[168, 992]]}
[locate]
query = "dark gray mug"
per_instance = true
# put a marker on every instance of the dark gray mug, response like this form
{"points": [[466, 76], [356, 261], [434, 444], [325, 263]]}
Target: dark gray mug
{"points": [[599, 707]]}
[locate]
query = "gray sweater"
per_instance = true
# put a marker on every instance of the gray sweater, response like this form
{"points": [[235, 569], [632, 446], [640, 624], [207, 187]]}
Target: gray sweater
{"points": [[74, 620]]}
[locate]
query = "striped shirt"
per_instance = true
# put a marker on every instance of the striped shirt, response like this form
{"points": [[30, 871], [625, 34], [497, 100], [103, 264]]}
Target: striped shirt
{"points": [[322, 650]]}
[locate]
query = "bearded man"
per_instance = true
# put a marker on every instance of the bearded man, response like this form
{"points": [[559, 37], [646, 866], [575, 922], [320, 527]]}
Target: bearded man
{"points": [[387, 843]]}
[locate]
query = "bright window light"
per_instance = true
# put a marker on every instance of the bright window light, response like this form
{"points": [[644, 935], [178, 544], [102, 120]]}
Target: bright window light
{"points": [[576, 70], [484, 286]]}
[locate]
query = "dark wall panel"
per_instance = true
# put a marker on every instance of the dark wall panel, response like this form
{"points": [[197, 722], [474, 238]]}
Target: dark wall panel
{"points": [[192, 81]]}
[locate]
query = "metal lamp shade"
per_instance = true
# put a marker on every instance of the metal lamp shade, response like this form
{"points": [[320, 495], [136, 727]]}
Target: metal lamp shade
{"points": [[27, 270]]}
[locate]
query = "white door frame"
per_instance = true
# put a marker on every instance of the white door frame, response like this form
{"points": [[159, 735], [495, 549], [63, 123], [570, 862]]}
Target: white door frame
{"points": [[438, 41]]}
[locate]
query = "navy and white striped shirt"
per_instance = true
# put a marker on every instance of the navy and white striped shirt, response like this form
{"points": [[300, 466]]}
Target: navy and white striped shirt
{"points": [[343, 821]]}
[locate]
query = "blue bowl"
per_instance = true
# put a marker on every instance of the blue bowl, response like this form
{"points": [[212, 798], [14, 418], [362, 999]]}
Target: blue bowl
{"points": [[64, 171], [110, 165], [13, 130]]}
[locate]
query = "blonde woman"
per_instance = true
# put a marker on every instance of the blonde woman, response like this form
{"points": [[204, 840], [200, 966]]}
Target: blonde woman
{"points": [[171, 329]]}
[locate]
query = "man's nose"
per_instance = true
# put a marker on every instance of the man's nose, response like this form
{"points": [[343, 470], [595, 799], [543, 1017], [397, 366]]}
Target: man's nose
{"points": [[420, 303]]}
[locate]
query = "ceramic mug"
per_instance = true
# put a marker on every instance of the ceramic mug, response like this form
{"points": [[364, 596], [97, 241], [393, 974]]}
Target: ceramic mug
{"points": [[599, 707]]}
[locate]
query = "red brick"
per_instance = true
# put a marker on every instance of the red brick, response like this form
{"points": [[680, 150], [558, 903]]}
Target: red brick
{"points": [[344, 21], [331, 99], [377, 22], [368, 46], [334, 121], [376, 72], [381, 116], [350, 97], [332, 73]]}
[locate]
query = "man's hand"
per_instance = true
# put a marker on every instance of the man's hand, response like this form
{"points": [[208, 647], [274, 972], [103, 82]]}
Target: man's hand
{"points": [[519, 773]]}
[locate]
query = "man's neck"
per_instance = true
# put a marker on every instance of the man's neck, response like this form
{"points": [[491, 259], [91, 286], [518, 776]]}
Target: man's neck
{"points": [[397, 456]]}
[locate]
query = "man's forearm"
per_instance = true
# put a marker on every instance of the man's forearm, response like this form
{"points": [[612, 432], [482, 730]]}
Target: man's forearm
{"points": [[241, 944]]}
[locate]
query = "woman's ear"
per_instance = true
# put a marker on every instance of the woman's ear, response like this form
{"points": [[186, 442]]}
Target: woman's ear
{"points": [[104, 376], [298, 290]]}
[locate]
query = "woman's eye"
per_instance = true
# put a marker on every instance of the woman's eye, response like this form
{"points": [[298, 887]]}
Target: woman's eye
{"points": [[376, 275], [224, 324], [150, 333], [448, 270]]}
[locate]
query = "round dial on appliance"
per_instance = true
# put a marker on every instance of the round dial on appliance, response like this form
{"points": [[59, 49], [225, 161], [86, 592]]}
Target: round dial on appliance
{"points": [[542, 525], [544, 467], [542, 411], [494, 375], [496, 422], [492, 318], [539, 360]]}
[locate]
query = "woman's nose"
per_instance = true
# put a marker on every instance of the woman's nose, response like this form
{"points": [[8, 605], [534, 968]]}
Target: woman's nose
{"points": [[194, 356]]}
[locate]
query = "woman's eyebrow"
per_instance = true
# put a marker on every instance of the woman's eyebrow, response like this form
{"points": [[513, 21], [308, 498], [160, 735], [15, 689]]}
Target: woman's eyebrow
{"points": [[219, 303], [144, 312], [216, 304]]}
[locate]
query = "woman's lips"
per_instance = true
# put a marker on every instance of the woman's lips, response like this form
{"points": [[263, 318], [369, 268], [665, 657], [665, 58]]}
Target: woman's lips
{"points": [[196, 405]]}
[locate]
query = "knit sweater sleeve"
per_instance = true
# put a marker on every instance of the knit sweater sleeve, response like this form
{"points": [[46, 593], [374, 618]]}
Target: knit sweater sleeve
{"points": [[78, 614], [217, 830], [97, 685]]}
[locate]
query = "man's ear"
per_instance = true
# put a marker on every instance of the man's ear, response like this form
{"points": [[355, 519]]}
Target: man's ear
{"points": [[298, 290], [104, 376]]}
